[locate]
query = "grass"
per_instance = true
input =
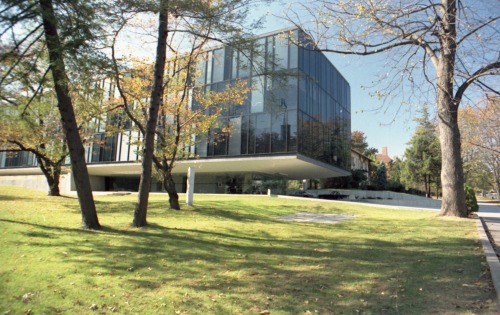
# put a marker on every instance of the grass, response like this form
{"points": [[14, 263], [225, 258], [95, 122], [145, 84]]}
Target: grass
{"points": [[229, 255]]}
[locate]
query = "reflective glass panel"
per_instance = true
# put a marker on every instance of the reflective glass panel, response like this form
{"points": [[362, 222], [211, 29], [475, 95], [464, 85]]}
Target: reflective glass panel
{"points": [[234, 136], [281, 51], [218, 70], [257, 99]]}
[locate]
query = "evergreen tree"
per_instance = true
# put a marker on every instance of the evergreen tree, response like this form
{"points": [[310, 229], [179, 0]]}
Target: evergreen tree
{"points": [[422, 159], [381, 177], [394, 180]]}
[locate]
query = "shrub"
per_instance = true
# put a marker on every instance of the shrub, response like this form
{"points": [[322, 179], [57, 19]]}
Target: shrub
{"points": [[470, 200], [381, 177]]}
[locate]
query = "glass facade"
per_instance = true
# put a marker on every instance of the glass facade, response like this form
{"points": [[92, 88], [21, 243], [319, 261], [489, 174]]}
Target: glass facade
{"points": [[299, 104], [17, 159]]}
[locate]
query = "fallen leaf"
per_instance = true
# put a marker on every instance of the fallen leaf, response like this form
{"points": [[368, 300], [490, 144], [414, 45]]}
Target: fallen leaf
{"points": [[26, 298]]}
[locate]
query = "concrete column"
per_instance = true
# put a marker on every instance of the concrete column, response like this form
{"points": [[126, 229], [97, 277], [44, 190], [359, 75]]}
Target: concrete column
{"points": [[305, 184], [2, 158], [190, 186]]}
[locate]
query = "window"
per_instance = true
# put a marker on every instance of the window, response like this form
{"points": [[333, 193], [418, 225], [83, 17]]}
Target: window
{"points": [[294, 51], [280, 130], [234, 136], [244, 134], [201, 147], [262, 133], [281, 51], [292, 125], [218, 70], [219, 139], [302, 94], [234, 64], [228, 57], [258, 56], [243, 65], [209, 68], [201, 71], [269, 55], [257, 99]]}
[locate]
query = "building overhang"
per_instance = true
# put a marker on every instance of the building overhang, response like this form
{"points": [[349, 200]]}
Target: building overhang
{"points": [[17, 171], [289, 166]]}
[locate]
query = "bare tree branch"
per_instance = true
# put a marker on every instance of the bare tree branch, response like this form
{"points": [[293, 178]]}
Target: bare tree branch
{"points": [[479, 73], [20, 58], [126, 105], [474, 31], [38, 89], [18, 44], [484, 147]]}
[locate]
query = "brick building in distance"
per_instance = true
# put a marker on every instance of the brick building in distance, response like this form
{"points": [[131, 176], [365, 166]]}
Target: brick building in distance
{"points": [[384, 156]]}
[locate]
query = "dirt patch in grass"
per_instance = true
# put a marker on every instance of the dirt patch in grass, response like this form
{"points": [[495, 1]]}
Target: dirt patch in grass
{"points": [[317, 217]]}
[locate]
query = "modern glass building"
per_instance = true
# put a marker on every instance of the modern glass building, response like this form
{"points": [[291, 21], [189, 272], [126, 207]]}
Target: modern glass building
{"points": [[294, 124]]}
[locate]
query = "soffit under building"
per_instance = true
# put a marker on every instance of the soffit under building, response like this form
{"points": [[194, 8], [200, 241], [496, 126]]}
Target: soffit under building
{"points": [[288, 166]]}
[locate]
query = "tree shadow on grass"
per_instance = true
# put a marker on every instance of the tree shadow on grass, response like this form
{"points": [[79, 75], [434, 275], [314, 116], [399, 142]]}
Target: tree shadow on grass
{"points": [[316, 267], [233, 215], [247, 266], [11, 198], [214, 210]]}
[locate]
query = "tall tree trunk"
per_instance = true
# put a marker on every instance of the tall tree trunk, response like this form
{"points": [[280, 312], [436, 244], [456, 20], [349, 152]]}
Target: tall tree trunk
{"points": [[64, 103], [173, 197], [429, 187], [426, 186], [453, 202], [452, 177], [141, 207], [437, 189]]}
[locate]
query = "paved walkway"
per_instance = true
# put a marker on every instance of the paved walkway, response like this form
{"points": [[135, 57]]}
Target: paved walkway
{"points": [[490, 222], [491, 217]]}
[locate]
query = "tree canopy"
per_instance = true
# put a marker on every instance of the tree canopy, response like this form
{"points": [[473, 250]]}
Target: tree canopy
{"points": [[481, 144]]}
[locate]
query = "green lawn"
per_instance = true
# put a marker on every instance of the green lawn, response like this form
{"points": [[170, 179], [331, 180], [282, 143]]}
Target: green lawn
{"points": [[229, 255]]}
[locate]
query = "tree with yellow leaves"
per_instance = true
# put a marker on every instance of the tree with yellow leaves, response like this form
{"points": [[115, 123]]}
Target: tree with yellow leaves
{"points": [[31, 121], [481, 144], [185, 114], [184, 28]]}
